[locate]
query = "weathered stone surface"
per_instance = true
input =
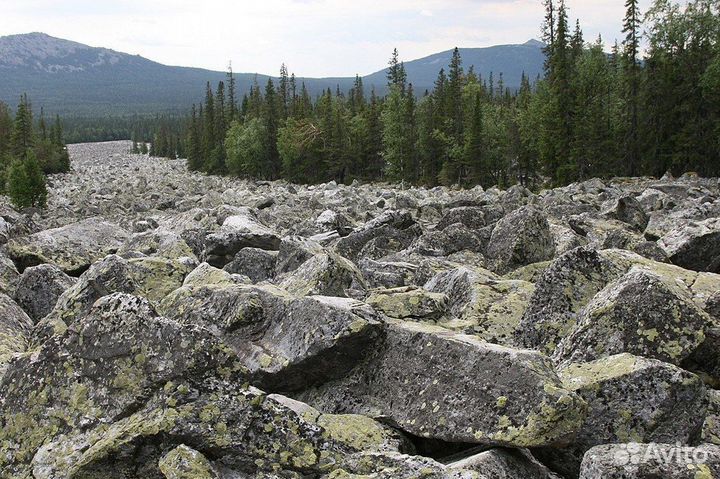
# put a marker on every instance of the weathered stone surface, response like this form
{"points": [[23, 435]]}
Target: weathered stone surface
{"points": [[73, 248], [409, 303], [396, 225], [39, 288], [186, 463], [97, 372], [238, 232], [454, 238], [294, 251], [255, 263], [287, 343], [408, 377], [650, 461], [520, 238], [472, 217], [632, 399], [165, 244], [640, 313], [628, 210], [9, 275], [481, 303], [695, 246], [384, 465], [15, 327], [711, 426], [505, 463], [388, 274], [327, 274]]}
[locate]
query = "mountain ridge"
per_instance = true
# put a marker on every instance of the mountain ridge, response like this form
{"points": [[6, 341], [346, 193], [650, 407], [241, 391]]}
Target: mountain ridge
{"points": [[75, 79]]}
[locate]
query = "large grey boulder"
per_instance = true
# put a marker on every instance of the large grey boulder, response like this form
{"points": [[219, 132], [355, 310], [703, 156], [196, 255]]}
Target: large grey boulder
{"points": [[326, 274], [695, 246], [40, 287], [255, 263], [72, 248], [505, 463], [99, 371], [294, 251], [409, 303], [9, 275], [651, 461], [520, 238], [631, 399], [287, 343], [711, 426], [628, 210], [472, 217], [640, 313], [237, 232], [409, 376]]}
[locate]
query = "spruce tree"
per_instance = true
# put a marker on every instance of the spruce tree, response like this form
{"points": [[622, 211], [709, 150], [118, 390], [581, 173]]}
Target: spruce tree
{"points": [[26, 182], [23, 137], [631, 84]]}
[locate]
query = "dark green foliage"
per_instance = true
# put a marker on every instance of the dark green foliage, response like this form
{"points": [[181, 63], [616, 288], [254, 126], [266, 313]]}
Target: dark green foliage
{"points": [[28, 151], [592, 115], [26, 182]]}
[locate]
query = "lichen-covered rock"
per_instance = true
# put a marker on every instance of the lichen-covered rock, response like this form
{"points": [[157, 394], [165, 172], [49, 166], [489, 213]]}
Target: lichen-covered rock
{"points": [[165, 244], [72, 248], [15, 327], [711, 426], [651, 461], [408, 377], [97, 372], [640, 313], [205, 275], [409, 303], [695, 246], [445, 242], [294, 251], [472, 217], [327, 274], [628, 210], [9, 275], [395, 225], [186, 463], [505, 463], [520, 238], [394, 465], [632, 399], [388, 274], [39, 288], [257, 264], [288, 343], [562, 290], [480, 303], [238, 232]]}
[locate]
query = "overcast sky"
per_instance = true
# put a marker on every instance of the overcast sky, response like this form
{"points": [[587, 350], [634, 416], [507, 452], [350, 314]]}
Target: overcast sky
{"points": [[313, 37]]}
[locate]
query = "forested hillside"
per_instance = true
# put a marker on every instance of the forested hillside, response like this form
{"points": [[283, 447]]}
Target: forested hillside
{"points": [[593, 114]]}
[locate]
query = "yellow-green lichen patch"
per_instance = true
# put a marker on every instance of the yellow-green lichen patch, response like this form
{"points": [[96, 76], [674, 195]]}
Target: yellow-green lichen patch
{"points": [[186, 463]]}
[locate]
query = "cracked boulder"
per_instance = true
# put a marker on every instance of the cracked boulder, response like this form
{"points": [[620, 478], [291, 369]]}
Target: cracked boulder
{"points": [[15, 328], [326, 274], [257, 264], [408, 377], [392, 231], [409, 303], [72, 248]]}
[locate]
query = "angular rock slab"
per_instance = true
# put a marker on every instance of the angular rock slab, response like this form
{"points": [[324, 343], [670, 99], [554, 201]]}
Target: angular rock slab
{"points": [[432, 383], [631, 399], [695, 246], [243, 429], [72, 248], [186, 463], [640, 313], [480, 303], [15, 328], [98, 371], [651, 461], [238, 232], [288, 343], [327, 274]]}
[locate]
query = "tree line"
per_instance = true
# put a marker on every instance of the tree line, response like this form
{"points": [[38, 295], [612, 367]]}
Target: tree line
{"points": [[28, 151], [593, 114]]}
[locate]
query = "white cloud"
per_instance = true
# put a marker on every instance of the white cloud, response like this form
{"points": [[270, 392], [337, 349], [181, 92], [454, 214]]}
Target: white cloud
{"points": [[314, 37]]}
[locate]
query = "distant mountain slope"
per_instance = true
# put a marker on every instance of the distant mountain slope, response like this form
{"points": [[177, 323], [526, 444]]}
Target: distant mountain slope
{"points": [[74, 79]]}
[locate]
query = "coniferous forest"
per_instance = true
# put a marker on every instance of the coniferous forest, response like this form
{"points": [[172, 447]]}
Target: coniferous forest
{"points": [[649, 106], [28, 151]]}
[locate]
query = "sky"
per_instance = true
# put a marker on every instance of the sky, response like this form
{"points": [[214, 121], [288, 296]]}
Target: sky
{"points": [[315, 38]]}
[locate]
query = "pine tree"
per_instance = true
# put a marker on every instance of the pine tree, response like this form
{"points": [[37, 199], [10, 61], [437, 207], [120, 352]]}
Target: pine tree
{"points": [[631, 68], [23, 137]]}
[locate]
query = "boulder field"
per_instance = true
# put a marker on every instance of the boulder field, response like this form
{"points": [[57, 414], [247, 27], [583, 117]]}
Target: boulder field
{"points": [[157, 323]]}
